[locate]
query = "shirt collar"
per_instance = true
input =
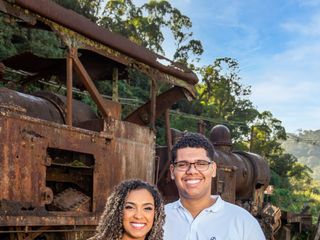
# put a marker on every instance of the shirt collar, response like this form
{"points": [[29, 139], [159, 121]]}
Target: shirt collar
{"points": [[219, 203], [177, 204]]}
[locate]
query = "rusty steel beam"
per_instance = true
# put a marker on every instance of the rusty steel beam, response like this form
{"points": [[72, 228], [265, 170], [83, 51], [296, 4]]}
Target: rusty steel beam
{"points": [[84, 26], [168, 133], [153, 104], [115, 87], [142, 115], [54, 219], [201, 127], [169, 145], [69, 86], [90, 86], [2, 68]]}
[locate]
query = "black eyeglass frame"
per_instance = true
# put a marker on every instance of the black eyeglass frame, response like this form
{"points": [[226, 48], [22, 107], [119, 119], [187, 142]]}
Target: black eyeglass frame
{"points": [[188, 165]]}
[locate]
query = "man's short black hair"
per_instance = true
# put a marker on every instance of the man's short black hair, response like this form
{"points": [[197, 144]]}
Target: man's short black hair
{"points": [[193, 140]]}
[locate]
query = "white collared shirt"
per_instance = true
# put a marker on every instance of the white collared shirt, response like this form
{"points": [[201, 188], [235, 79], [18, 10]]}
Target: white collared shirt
{"points": [[221, 221]]}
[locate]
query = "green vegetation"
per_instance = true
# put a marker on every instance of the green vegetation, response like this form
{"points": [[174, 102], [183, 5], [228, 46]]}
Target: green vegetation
{"points": [[306, 147]]}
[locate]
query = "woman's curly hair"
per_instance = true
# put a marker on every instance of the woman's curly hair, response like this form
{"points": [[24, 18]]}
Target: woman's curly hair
{"points": [[111, 222]]}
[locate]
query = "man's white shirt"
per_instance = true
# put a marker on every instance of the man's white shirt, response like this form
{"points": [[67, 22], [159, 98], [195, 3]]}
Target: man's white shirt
{"points": [[221, 221]]}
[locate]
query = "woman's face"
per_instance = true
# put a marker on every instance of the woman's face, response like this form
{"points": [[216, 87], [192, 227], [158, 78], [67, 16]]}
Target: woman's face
{"points": [[138, 214]]}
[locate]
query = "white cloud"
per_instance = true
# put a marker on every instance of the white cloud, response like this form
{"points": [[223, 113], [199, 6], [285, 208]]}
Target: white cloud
{"points": [[288, 77], [293, 103], [311, 3], [310, 27], [306, 55], [282, 92], [307, 117], [287, 84]]}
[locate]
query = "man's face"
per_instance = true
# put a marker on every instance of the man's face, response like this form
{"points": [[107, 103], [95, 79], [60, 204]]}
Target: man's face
{"points": [[192, 183]]}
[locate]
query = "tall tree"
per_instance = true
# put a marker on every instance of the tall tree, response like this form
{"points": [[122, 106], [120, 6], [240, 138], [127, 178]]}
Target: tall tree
{"points": [[88, 8], [145, 25], [223, 97], [266, 134]]}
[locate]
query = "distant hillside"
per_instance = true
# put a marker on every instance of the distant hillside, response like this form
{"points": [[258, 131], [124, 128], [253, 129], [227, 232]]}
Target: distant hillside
{"points": [[306, 147]]}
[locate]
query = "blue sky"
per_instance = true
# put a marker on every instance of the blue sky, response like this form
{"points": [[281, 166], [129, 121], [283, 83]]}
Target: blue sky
{"points": [[277, 45]]}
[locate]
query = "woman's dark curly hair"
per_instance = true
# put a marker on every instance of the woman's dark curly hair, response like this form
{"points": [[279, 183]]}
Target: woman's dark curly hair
{"points": [[111, 222]]}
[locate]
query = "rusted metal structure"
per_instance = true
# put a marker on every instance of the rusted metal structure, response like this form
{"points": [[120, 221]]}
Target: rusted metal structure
{"points": [[59, 160]]}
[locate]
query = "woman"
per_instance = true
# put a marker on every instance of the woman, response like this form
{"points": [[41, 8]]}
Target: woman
{"points": [[134, 210]]}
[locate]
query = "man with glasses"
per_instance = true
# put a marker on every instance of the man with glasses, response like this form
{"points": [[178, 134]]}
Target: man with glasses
{"points": [[198, 215]]}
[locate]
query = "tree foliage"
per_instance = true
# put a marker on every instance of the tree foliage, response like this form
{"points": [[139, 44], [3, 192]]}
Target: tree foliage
{"points": [[224, 96], [146, 26], [305, 145], [88, 8]]}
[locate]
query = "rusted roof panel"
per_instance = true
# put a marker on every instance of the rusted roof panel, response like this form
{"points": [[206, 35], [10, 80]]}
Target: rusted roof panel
{"points": [[98, 67], [84, 26], [32, 63]]}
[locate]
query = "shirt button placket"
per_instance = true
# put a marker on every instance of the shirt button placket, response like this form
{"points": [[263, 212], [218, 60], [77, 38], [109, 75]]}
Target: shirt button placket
{"points": [[193, 230]]}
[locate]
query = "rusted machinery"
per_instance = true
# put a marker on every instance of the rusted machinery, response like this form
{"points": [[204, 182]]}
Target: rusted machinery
{"points": [[66, 163], [59, 159]]}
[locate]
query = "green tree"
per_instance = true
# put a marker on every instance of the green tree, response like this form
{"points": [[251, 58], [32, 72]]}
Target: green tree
{"points": [[145, 25], [294, 187], [266, 132], [223, 98], [88, 8]]}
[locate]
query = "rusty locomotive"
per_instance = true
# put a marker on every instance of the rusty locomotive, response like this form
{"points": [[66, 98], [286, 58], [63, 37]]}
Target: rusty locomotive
{"points": [[59, 159]]}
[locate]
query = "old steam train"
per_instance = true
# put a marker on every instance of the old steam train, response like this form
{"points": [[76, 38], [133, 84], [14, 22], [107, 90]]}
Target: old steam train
{"points": [[59, 159]]}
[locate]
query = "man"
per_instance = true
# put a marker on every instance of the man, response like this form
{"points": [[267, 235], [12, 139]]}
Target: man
{"points": [[198, 215]]}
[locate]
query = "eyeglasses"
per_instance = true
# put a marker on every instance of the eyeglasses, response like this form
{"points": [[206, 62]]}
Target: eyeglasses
{"points": [[200, 165]]}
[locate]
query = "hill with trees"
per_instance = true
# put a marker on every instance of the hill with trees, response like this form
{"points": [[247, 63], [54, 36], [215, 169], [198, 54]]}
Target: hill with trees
{"points": [[305, 146]]}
